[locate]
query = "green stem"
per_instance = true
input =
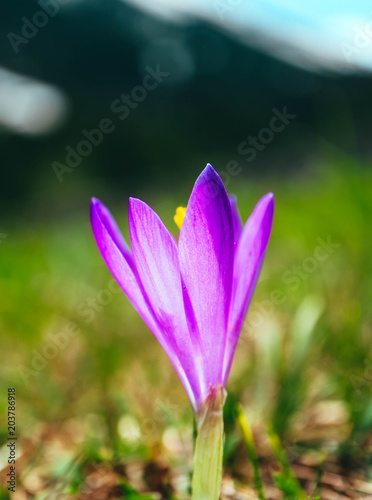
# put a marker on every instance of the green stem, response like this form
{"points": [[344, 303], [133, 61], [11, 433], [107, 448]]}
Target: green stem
{"points": [[207, 477], [251, 449]]}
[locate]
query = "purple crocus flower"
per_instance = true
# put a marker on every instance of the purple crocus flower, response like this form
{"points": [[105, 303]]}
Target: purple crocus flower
{"points": [[193, 295]]}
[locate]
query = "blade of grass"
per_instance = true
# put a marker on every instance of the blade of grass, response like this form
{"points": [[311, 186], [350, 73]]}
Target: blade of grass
{"points": [[286, 480], [249, 443]]}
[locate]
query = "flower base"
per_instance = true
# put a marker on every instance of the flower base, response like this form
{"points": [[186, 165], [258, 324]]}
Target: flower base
{"points": [[207, 477]]}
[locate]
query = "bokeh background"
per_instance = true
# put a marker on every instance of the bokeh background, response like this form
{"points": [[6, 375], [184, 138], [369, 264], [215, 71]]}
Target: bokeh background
{"points": [[100, 412]]}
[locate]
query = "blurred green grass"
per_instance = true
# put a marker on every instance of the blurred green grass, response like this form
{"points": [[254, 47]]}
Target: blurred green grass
{"points": [[298, 363]]}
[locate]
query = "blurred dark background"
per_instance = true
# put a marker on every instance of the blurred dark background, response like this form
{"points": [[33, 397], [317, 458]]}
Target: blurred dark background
{"points": [[67, 73]]}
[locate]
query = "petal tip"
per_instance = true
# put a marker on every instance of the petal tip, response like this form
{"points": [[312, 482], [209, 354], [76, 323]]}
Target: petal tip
{"points": [[134, 200], [269, 205], [97, 208], [268, 200], [271, 199], [95, 205], [209, 177], [209, 170], [134, 203]]}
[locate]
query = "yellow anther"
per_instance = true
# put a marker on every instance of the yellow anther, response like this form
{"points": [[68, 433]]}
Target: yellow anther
{"points": [[179, 216]]}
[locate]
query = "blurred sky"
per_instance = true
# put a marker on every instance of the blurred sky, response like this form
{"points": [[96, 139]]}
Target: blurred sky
{"points": [[323, 31]]}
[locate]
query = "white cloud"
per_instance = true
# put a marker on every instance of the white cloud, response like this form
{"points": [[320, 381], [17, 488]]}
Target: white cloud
{"points": [[28, 106]]}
